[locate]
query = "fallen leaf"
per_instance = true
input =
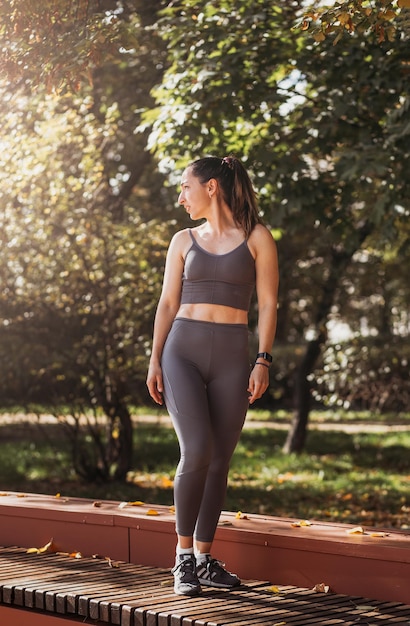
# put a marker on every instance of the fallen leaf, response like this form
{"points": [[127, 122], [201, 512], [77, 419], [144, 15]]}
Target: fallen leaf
{"points": [[135, 503], [241, 515], [151, 512], [172, 509], [379, 534], [279, 624], [4, 494], [48, 547], [357, 530], [301, 523], [366, 607], [225, 522], [274, 589], [97, 504], [75, 555], [22, 495], [167, 583], [321, 588], [58, 495]]}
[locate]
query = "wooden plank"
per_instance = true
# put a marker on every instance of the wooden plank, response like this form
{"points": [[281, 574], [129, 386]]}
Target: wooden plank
{"points": [[133, 595]]}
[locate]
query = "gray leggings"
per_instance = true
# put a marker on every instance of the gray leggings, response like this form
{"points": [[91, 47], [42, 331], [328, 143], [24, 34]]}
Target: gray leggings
{"points": [[206, 372]]}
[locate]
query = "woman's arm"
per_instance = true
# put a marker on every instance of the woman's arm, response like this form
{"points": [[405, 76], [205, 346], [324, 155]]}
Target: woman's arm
{"points": [[168, 306], [267, 282]]}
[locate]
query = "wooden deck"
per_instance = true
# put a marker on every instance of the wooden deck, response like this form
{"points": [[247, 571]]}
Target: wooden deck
{"points": [[366, 564], [51, 589]]}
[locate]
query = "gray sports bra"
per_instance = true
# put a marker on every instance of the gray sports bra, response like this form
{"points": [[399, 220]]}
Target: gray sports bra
{"points": [[227, 279]]}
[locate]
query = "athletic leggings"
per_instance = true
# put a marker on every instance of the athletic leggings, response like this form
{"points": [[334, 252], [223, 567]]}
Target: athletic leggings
{"points": [[206, 372]]}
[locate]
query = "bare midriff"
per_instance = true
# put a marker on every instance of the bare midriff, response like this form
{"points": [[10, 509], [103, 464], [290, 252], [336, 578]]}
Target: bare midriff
{"points": [[218, 313]]}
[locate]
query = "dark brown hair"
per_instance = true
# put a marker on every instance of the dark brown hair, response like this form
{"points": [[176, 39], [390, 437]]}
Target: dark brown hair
{"points": [[235, 185]]}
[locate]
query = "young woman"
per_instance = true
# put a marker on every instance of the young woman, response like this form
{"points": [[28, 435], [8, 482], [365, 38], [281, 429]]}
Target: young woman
{"points": [[200, 359]]}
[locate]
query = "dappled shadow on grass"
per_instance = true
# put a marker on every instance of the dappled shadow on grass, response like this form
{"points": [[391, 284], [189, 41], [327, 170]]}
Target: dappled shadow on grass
{"points": [[357, 478]]}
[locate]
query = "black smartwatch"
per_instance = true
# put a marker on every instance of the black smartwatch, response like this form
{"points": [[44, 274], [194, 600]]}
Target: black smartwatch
{"points": [[264, 355]]}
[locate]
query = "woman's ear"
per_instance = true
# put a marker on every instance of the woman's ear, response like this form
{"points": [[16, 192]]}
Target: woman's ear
{"points": [[212, 186]]}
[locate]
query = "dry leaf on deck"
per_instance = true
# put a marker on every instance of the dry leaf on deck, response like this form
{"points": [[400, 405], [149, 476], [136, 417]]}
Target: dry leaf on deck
{"points": [[321, 588], [135, 503], [301, 523], [151, 512], [357, 530], [49, 547]]}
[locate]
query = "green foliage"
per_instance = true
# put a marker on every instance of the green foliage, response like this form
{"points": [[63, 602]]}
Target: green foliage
{"points": [[87, 212], [82, 249], [366, 374], [359, 478]]}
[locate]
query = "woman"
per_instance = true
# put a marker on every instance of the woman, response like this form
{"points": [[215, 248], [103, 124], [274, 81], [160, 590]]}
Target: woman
{"points": [[200, 359]]}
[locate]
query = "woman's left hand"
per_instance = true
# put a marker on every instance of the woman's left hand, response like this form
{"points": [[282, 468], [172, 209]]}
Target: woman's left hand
{"points": [[258, 382]]}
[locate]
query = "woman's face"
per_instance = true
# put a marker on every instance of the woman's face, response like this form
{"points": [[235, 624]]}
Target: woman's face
{"points": [[194, 195]]}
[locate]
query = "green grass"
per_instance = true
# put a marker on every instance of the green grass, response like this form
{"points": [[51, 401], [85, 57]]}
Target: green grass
{"points": [[360, 478]]}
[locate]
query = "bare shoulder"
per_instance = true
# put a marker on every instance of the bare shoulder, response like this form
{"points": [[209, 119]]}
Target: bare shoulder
{"points": [[261, 240], [181, 242]]}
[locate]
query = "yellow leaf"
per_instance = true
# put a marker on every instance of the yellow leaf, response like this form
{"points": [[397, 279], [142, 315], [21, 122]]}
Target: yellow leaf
{"points": [[303, 522], [343, 18], [152, 512], [241, 515], [279, 624], [58, 495], [357, 530], [48, 547], [172, 509], [379, 534], [135, 503], [274, 589]]}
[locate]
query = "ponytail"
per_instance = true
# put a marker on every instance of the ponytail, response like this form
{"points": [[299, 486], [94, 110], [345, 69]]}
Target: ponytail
{"points": [[235, 185]]}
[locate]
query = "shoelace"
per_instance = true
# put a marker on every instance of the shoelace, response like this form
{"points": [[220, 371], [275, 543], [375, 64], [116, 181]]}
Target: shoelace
{"points": [[184, 563]]}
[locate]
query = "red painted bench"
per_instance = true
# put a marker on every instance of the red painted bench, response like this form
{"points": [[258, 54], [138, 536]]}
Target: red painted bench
{"points": [[371, 565]]}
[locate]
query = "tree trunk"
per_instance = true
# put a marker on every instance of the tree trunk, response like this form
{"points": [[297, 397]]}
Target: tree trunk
{"points": [[340, 259], [296, 439]]}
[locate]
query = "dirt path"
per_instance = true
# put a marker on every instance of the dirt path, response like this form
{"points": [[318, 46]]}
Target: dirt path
{"points": [[164, 420]]}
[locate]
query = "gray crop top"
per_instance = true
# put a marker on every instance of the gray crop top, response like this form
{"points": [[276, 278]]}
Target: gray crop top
{"points": [[227, 279]]}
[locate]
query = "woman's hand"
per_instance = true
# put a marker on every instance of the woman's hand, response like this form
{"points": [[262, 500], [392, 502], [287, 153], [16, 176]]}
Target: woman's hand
{"points": [[154, 383], [258, 382]]}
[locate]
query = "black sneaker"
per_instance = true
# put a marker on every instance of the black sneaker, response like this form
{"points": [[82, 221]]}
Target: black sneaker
{"points": [[211, 573], [186, 580]]}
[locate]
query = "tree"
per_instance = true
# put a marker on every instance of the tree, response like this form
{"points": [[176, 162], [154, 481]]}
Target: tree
{"points": [[322, 128], [81, 242]]}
